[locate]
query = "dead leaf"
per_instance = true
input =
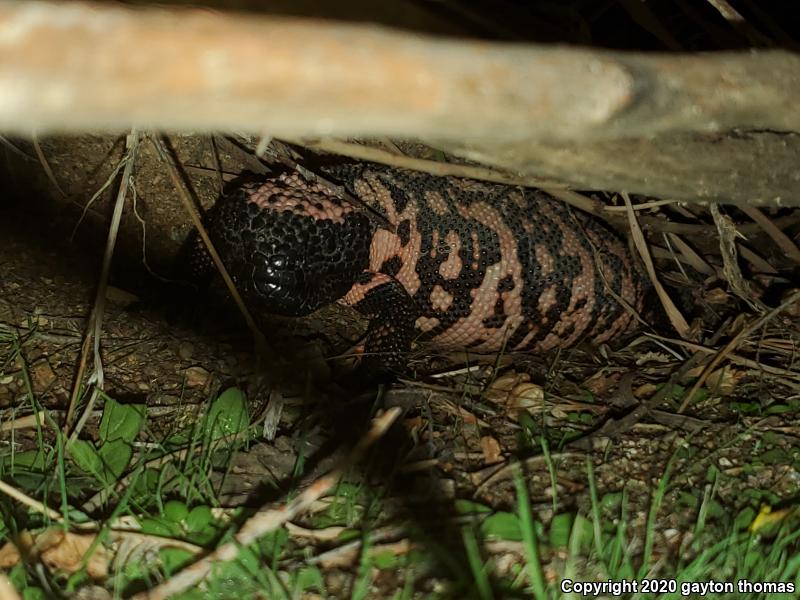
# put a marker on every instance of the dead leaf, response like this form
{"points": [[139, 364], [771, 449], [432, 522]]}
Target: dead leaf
{"points": [[600, 384], [675, 317], [9, 556], [117, 295], [501, 387], [196, 377], [10, 552], [723, 381], [64, 551], [59, 550], [491, 450], [43, 376], [515, 391], [694, 373], [717, 296], [414, 423], [645, 390], [526, 396], [660, 358], [7, 591], [767, 517], [793, 310]]}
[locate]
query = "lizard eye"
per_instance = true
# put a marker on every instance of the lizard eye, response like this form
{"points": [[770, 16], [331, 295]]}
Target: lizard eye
{"points": [[280, 284], [271, 275]]}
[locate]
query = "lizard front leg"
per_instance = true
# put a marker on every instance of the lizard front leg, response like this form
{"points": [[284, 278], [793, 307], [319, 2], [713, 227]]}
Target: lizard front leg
{"points": [[392, 314]]}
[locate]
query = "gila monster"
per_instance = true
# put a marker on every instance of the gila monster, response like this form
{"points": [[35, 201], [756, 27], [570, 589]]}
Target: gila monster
{"points": [[465, 265]]}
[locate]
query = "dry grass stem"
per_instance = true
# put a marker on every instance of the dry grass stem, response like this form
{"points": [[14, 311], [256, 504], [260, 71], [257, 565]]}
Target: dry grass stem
{"points": [[94, 329], [675, 317], [26, 500], [734, 343], [783, 241]]}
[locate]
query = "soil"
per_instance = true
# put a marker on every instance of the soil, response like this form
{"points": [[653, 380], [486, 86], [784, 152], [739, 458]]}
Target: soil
{"points": [[462, 427], [457, 438]]}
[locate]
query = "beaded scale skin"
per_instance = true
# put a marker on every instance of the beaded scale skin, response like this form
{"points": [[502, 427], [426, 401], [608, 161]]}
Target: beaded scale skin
{"points": [[467, 264]]}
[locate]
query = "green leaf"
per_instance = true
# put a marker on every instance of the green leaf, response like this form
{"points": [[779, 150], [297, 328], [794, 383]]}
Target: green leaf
{"points": [[34, 593], [244, 565], [385, 560], [748, 408], [502, 525], [714, 510], [753, 558], [468, 507], [308, 578], [272, 544], [348, 535], [199, 518], [175, 511], [121, 421], [776, 456], [87, 458], [173, 559], [116, 457], [157, 527], [33, 460], [744, 518], [146, 486], [611, 501], [228, 413], [560, 528], [583, 528]]}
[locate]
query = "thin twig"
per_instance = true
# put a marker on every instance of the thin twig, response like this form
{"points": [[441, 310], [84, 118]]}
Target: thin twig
{"points": [[641, 206], [143, 224], [783, 241], [197, 221], [217, 165], [35, 505], [614, 427], [445, 169], [734, 358], [46, 166], [10, 146], [738, 22], [691, 257], [17, 423], [497, 473], [433, 167]]}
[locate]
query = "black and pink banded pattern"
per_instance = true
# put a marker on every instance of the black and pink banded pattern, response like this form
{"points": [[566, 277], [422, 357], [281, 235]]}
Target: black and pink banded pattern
{"points": [[466, 264]]}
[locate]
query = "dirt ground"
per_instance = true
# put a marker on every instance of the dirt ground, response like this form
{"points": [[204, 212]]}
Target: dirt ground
{"points": [[604, 430], [461, 427]]}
